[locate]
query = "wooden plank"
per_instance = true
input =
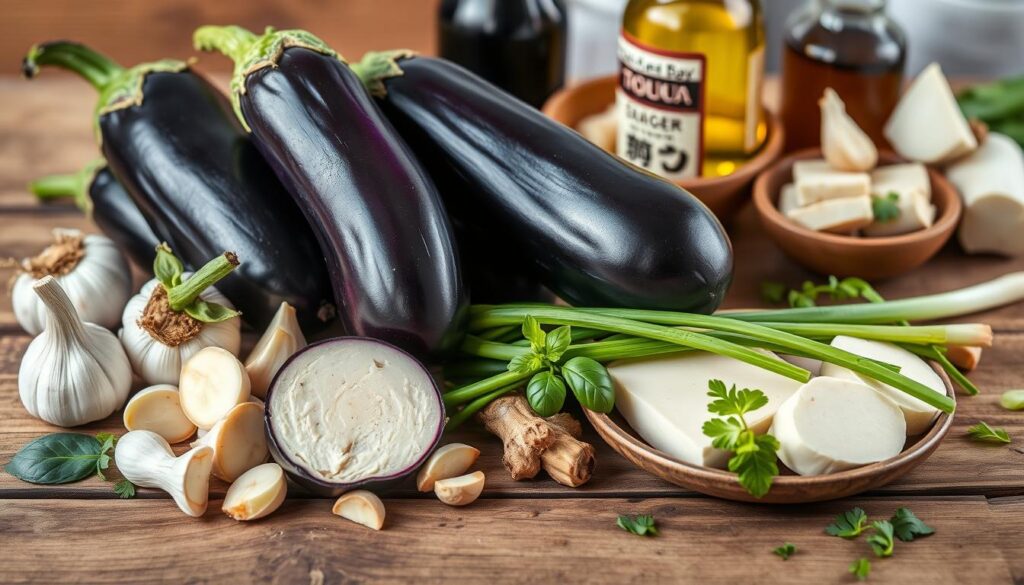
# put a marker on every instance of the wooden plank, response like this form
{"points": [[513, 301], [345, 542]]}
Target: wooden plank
{"points": [[959, 466], [1008, 520], [521, 541]]}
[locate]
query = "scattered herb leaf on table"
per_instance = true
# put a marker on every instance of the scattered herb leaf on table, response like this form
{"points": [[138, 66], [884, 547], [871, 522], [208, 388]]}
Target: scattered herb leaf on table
{"points": [[642, 525], [785, 551], [986, 434], [860, 568], [882, 540], [62, 458], [849, 524], [907, 526]]}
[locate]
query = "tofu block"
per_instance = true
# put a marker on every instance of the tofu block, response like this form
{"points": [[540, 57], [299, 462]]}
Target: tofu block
{"points": [[803, 169], [665, 400], [916, 213], [839, 216], [845, 145], [831, 425], [901, 177], [991, 183], [815, 187], [927, 125], [787, 198], [918, 415]]}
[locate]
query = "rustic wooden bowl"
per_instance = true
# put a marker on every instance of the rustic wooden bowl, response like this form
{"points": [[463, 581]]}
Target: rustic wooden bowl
{"points": [[723, 195], [839, 255], [787, 488]]}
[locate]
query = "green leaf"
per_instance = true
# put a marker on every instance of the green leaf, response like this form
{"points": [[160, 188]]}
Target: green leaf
{"points": [[124, 489], [1012, 400], [882, 541], [799, 300], [201, 310], [166, 267], [733, 401], [860, 568], [534, 334], [756, 464], [849, 524], [522, 364], [907, 526], [642, 525], [107, 442], [590, 383], [785, 551], [886, 209], [545, 393], [724, 432], [984, 433], [56, 458], [773, 292], [556, 342]]}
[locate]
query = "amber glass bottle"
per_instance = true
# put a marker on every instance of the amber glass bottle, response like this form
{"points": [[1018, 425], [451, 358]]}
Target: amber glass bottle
{"points": [[689, 95]]}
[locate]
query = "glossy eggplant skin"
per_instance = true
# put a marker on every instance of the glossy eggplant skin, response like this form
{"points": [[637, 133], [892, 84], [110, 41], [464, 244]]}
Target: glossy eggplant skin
{"points": [[195, 174], [380, 221], [117, 216], [597, 231]]}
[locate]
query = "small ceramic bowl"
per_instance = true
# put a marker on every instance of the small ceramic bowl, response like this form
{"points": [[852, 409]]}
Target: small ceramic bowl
{"points": [[839, 255], [723, 195]]}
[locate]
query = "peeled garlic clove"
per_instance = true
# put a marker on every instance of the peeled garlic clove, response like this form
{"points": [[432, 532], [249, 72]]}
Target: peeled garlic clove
{"points": [[282, 338], [460, 491], [239, 441], [256, 493], [846, 147], [157, 409], [449, 461], [145, 459], [361, 507], [213, 382]]}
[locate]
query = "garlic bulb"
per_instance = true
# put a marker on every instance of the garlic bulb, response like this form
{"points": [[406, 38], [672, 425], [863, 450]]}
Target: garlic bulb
{"points": [[282, 338], [72, 373], [145, 459], [846, 147], [158, 337], [90, 269]]}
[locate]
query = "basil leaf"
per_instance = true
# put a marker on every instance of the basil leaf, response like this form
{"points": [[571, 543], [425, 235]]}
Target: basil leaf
{"points": [[201, 310], [167, 268], [522, 364], [556, 342], [545, 393], [591, 384], [56, 458], [534, 334]]}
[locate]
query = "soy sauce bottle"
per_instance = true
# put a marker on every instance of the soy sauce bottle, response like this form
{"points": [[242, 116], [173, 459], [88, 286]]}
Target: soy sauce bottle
{"points": [[519, 45]]}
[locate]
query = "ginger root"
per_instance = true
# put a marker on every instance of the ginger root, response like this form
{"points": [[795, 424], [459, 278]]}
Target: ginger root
{"points": [[532, 442]]}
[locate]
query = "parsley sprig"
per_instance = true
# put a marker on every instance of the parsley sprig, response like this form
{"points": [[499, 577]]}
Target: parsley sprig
{"points": [[785, 551], [903, 525], [886, 208], [754, 457], [641, 525], [849, 524], [860, 568]]}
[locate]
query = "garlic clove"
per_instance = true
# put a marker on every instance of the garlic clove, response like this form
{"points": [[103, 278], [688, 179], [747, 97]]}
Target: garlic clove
{"points": [[361, 507], [146, 459], [460, 491], [239, 441], [256, 493], [846, 147], [282, 338], [213, 382], [448, 461], [158, 409]]}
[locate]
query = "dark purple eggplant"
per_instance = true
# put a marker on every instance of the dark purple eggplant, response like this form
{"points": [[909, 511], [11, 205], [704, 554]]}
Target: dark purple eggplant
{"points": [[598, 232], [96, 192], [378, 216], [171, 139]]}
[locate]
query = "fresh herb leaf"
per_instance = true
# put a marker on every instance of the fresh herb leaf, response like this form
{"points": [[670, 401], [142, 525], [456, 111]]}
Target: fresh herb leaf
{"points": [[773, 292], [860, 568], [522, 364], [907, 526], [882, 541], [534, 334], [545, 393], [590, 383], [849, 524], [754, 457], [785, 551], [886, 209], [58, 458], [732, 401], [724, 432], [642, 525], [556, 342], [166, 267], [124, 489], [983, 432], [201, 310], [755, 462]]}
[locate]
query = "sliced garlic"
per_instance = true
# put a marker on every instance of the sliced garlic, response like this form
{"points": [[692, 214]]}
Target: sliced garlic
{"points": [[212, 382], [145, 459], [256, 493], [361, 507], [157, 409], [239, 441], [846, 147], [282, 338], [449, 461], [460, 491]]}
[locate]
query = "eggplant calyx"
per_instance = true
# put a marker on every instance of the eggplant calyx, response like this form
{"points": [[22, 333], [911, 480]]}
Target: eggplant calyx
{"points": [[252, 53], [377, 66], [74, 185]]}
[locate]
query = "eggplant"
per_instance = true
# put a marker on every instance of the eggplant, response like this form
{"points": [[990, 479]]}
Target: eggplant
{"points": [[171, 139], [96, 192], [378, 217], [596, 230]]}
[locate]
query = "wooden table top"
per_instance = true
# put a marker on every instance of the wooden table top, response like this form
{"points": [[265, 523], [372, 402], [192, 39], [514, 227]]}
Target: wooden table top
{"points": [[530, 531]]}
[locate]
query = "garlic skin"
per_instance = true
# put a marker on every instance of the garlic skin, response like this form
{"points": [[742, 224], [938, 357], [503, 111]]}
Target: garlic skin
{"points": [[157, 363], [846, 147], [98, 285], [73, 373], [282, 338], [145, 459]]}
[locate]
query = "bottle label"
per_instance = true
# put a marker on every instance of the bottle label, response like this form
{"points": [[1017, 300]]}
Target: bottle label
{"points": [[660, 103]]}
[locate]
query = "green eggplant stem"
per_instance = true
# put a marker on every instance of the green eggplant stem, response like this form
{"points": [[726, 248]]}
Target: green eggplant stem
{"points": [[94, 67], [233, 41], [187, 292]]}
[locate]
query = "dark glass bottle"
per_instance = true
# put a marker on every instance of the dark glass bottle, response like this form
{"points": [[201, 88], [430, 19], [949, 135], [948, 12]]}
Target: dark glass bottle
{"points": [[518, 45]]}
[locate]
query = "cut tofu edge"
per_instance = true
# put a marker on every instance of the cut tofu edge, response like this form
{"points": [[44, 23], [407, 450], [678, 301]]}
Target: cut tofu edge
{"points": [[835, 215], [823, 186], [927, 125], [991, 183], [916, 213]]}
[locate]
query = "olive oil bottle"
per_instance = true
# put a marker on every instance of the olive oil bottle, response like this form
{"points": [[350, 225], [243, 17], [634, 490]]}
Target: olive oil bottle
{"points": [[689, 95]]}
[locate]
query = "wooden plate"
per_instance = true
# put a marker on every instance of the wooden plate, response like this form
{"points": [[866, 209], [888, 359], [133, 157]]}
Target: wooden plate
{"points": [[786, 489]]}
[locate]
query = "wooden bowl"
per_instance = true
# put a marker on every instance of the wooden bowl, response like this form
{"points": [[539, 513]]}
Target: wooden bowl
{"points": [[723, 195], [786, 489], [839, 255]]}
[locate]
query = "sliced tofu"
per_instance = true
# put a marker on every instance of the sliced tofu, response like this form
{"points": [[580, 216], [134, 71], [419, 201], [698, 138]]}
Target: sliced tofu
{"points": [[831, 425], [803, 169], [901, 177], [991, 182], [845, 146], [839, 216], [916, 213], [665, 400], [918, 415], [927, 125], [787, 198], [825, 186]]}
